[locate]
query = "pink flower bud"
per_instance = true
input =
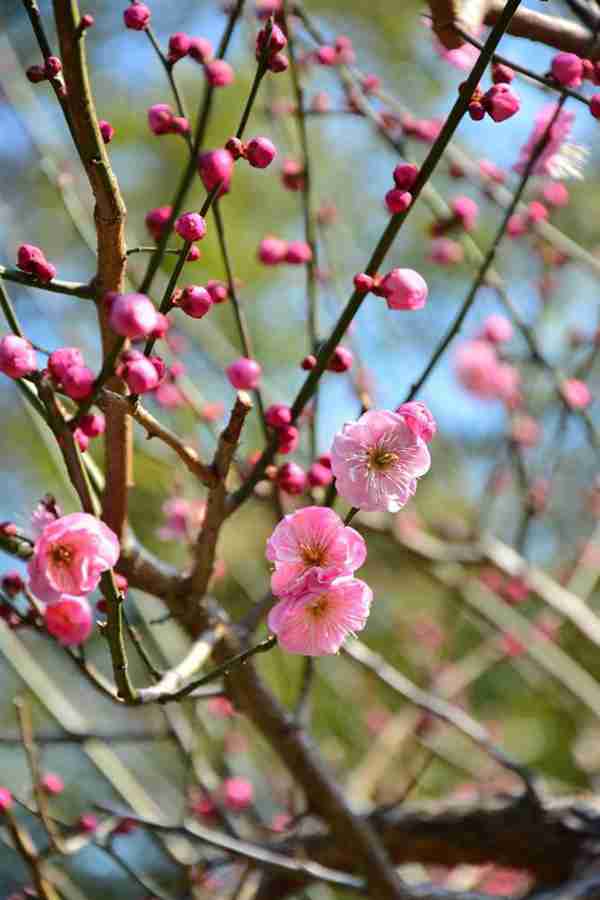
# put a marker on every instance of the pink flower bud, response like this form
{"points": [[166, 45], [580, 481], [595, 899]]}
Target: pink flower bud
{"points": [[576, 393], [218, 73], [398, 201], [497, 329], [595, 105], [160, 366], [78, 382], [52, 783], [69, 620], [274, 44], [500, 102], [6, 800], [190, 226], [140, 375], [160, 118], [86, 21], [195, 301], [200, 50], [31, 259], [502, 74], [516, 225], [194, 254], [292, 175], [136, 16], [236, 147], [52, 67], [244, 373], [217, 290], [17, 356], [87, 823], [567, 68], [278, 63], [132, 316], [36, 74], [309, 362], [180, 125], [260, 152], [272, 250], [419, 419], [298, 253], [237, 793], [288, 437], [61, 360], [525, 431], [476, 110], [45, 271], [363, 283], [446, 252], [179, 46], [106, 130], [326, 56], [291, 478], [341, 360], [156, 220], [216, 167], [277, 415], [405, 175], [404, 289], [93, 424], [319, 475], [465, 211], [537, 212], [555, 193]]}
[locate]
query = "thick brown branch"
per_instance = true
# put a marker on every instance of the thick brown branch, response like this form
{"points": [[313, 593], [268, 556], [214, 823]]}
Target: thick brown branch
{"points": [[109, 215], [561, 34]]}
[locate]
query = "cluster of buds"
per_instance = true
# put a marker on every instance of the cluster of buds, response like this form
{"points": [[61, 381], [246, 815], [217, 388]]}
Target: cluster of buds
{"points": [[140, 373], [270, 42], [340, 53], [273, 251], [196, 301], [278, 416], [258, 151], [399, 198], [499, 101], [31, 259], [401, 288], [162, 120], [51, 69]]}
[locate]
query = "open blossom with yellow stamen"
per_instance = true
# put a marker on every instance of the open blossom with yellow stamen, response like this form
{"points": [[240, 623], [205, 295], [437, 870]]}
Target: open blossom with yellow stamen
{"points": [[313, 545], [377, 460]]}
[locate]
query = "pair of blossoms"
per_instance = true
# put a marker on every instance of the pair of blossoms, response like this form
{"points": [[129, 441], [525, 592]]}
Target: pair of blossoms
{"points": [[376, 462]]}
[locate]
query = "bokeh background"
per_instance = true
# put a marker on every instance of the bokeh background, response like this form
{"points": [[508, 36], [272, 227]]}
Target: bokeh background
{"points": [[416, 621]]}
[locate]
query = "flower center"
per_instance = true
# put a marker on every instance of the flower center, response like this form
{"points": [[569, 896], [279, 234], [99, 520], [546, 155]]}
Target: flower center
{"points": [[319, 607], [61, 555], [312, 554], [380, 459]]}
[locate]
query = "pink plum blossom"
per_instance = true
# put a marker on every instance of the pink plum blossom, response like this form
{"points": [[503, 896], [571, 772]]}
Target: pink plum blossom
{"points": [[132, 315], [70, 556], [548, 160], [69, 620], [238, 793], [377, 460], [319, 622], [312, 546]]}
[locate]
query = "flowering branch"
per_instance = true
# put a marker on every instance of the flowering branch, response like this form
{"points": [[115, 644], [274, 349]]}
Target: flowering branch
{"points": [[385, 242]]}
